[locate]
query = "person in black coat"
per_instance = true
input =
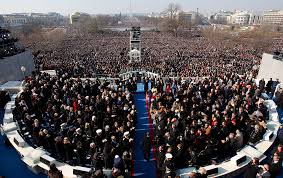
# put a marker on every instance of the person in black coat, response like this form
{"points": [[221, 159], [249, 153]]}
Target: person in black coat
{"points": [[68, 150], [253, 169], [261, 85], [146, 146], [98, 161], [180, 158], [160, 155], [146, 85], [108, 158], [268, 86], [168, 166], [80, 154], [275, 165]]}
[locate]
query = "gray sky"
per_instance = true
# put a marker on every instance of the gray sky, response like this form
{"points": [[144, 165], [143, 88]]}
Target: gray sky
{"points": [[116, 6]]}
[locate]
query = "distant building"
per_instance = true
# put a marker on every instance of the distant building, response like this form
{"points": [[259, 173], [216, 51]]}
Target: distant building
{"points": [[19, 19], [222, 17], [274, 17], [153, 15], [195, 18], [191, 16], [46, 19], [240, 18], [256, 18], [78, 16], [14, 20]]}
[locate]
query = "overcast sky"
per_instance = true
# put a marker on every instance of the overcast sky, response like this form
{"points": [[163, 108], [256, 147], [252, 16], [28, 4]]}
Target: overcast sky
{"points": [[143, 6]]}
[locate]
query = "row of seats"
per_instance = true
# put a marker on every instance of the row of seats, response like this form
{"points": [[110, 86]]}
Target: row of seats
{"points": [[7, 44]]}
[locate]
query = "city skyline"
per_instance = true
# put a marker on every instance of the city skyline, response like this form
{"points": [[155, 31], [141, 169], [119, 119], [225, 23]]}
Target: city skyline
{"points": [[66, 7]]}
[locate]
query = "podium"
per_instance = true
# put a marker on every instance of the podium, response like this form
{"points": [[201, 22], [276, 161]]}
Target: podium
{"points": [[239, 159]]}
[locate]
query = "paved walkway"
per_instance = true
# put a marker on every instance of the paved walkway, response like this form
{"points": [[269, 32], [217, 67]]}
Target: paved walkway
{"points": [[142, 169]]}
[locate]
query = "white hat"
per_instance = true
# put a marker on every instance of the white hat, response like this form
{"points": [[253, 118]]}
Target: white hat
{"points": [[98, 131], [63, 125], [168, 156], [107, 127], [78, 129], [126, 134], [117, 156], [92, 144]]}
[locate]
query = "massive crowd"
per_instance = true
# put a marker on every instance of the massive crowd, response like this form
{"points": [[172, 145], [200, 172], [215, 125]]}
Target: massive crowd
{"points": [[205, 121], [202, 120], [85, 123], [7, 44], [89, 55]]}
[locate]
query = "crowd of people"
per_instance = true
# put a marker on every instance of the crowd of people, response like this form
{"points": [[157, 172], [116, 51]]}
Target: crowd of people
{"points": [[7, 44], [106, 53], [205, 121], [202, 120], [269, 170], [85, 123]]}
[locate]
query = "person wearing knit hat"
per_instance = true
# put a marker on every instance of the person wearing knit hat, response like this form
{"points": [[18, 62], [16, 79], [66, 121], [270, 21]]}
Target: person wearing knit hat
{"points": [[119, 164], [98, 131], [168, 156], [168, 165], [127, 134], [107, 128]]}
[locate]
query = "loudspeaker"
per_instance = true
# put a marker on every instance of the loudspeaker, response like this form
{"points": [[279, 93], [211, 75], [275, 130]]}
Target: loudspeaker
{"points": [[268, 135], [45, 159], [10, 127], [211, 169], [80, 171], [9, 107], [19, 141], [8, 118], [239, 159]]}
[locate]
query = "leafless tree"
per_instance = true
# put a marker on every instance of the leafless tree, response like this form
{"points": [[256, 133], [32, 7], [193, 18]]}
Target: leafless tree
{"points": [[172, 18], [173, 10], [86, 24]]}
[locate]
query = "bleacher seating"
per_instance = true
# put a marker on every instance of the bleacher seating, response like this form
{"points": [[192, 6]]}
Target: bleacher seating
{"points": [[8, 45]]}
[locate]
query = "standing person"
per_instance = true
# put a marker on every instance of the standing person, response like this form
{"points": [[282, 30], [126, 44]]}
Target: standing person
{"points": [[275, 165], [146, 146], [68, 150], [168, 166], [160, 159], [146, 85], [54, 172], [262, 85], [264, 172], [119, 164], [269, 85], [253, 169]]}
